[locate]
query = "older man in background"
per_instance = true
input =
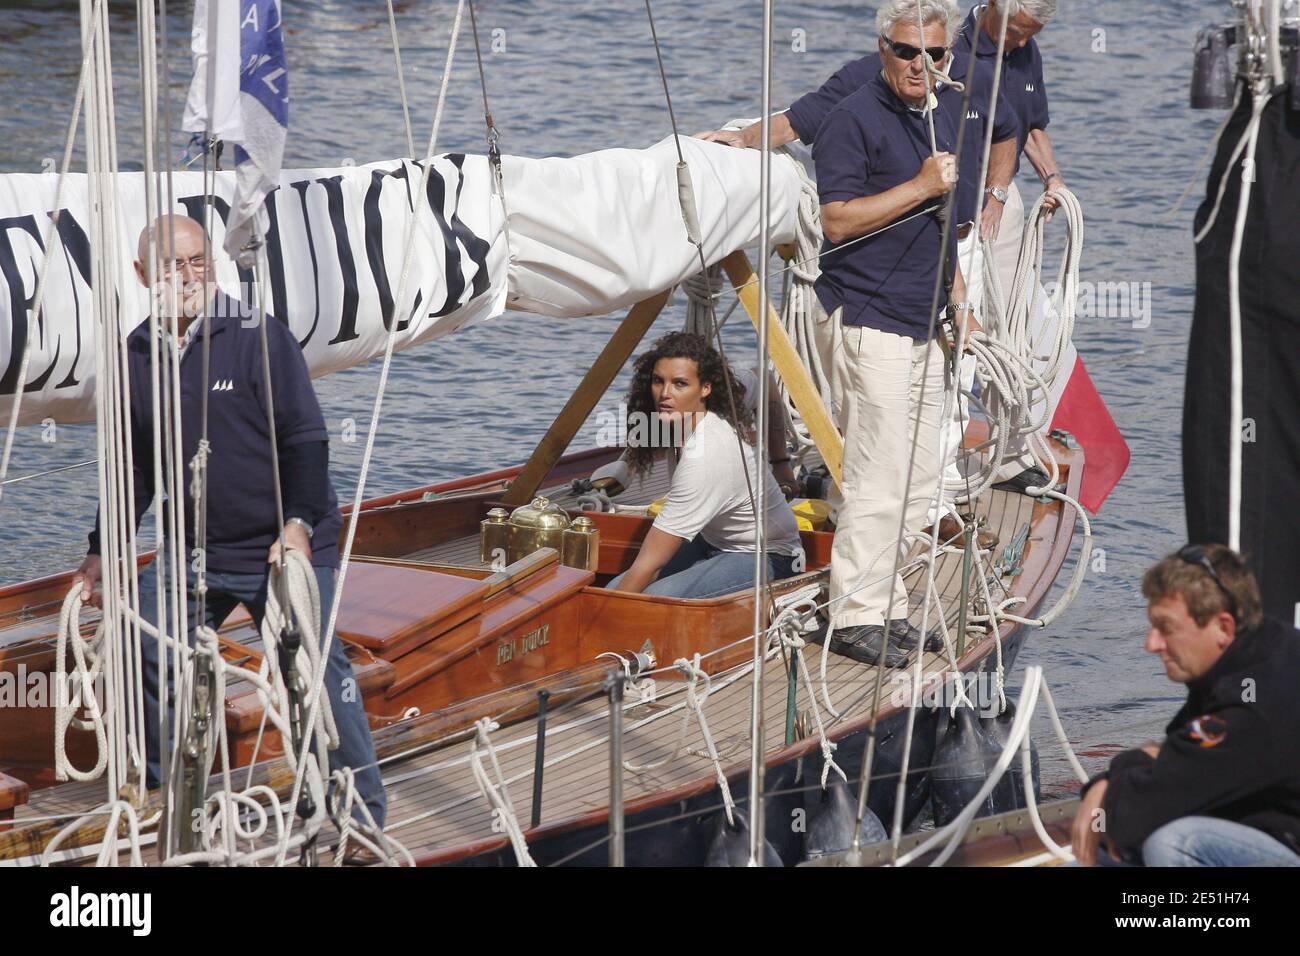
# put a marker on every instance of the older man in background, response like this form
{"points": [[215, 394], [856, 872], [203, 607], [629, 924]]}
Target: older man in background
{"points": [[243, 536]]}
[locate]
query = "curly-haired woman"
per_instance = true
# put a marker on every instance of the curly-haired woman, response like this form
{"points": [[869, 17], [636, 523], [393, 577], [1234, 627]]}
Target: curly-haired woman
{"points": [[703, 542]]}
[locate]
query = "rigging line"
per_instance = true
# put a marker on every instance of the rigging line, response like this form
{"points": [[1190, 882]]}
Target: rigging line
{"points": [[939, 282], [689, 219], [492, 134], [198, 326], [52, 471], [580, 749], [39, 301], [204, 321], [149, 91], [101, 166], [412, 231], [401, 80], [169, 480], [985, 161], [123, 717], [663, 76], [756, 724], [482, 74], [1205, 158], [795, 263]]}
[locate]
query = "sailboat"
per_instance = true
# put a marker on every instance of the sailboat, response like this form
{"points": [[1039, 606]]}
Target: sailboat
{"points": [[521, 712]]}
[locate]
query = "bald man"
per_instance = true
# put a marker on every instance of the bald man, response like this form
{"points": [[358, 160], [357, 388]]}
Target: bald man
{"points": [[241, 525]]}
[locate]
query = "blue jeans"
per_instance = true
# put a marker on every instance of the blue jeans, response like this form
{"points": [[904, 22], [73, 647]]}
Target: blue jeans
{"points": [[699, 570], [225, 591], [1209, 841]]}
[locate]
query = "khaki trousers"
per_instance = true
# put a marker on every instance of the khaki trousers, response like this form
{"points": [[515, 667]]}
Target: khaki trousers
{"points": [[880, 385]]}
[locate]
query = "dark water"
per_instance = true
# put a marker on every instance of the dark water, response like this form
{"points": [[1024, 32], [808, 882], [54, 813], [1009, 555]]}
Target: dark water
{"points": [[574, 76]]}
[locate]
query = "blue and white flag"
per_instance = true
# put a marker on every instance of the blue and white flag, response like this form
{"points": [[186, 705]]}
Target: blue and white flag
{"points": [[240, 95]]}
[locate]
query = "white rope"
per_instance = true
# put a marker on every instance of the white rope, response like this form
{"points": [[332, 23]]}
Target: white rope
{"points": [[497, 794], [702, 292], [412, 228], [108, 852], [696, 702], [304, 600], [85, 678], [1262, 97], [797, 615], [38, 302], [1017, 743], [733, 676], [366, 832], [223, 806], [796, 645]]}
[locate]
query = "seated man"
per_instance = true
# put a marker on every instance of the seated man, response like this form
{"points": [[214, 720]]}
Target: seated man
{"points": [[242, 533], [1223, 787]]}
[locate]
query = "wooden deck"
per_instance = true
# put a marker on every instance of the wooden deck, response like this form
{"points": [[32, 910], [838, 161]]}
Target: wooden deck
{"points": [[437, 810]]}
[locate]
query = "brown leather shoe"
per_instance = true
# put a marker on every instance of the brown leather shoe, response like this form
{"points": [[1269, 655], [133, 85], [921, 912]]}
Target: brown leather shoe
{"points": [[952, 533], [358, 855]]}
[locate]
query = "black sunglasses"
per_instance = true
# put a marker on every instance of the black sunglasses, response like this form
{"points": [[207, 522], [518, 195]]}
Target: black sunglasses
{"points": [[1193, 554], [905, 51]]}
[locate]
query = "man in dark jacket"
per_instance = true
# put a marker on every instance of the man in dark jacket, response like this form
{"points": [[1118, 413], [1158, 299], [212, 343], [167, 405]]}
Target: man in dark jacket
{"points": [[1223, 787], [242, 532]]}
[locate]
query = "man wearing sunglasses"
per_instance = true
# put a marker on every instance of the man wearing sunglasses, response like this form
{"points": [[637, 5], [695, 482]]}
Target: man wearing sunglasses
{"points": [[1022, 101], [242, 528], [882, 184], [1223, 787], [1022, 85]]}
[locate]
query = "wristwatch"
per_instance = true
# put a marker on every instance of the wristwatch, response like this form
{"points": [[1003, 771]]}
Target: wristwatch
{"points": [[998, 193], [299, 521]]}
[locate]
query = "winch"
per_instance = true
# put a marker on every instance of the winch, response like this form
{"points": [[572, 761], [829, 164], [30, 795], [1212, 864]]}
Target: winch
{"points": [[505, 537]]}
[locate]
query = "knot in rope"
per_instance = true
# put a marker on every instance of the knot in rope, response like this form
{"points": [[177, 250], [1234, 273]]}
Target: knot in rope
{"points": [[198, 466], [497, 794]]}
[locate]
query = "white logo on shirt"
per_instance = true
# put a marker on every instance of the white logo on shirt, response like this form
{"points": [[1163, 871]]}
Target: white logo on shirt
{"points": [[1029, 87], [224, 385], [973, 114]]}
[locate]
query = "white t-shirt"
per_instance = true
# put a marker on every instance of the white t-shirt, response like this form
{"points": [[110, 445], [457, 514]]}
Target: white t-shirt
{"points": [[709, 495]]}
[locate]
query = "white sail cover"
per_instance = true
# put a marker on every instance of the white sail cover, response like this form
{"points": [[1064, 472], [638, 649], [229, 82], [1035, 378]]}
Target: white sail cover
{"points": [[586, 236], [603, 231]]}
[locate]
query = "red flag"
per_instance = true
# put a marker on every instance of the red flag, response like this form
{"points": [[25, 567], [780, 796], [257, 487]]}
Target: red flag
{"points": [[1081, 412]]}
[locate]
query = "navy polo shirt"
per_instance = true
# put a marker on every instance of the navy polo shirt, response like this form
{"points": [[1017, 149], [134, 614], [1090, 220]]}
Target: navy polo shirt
{"points": [[870, 143], [814, 107], [241, 518], [1022, 74]]}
